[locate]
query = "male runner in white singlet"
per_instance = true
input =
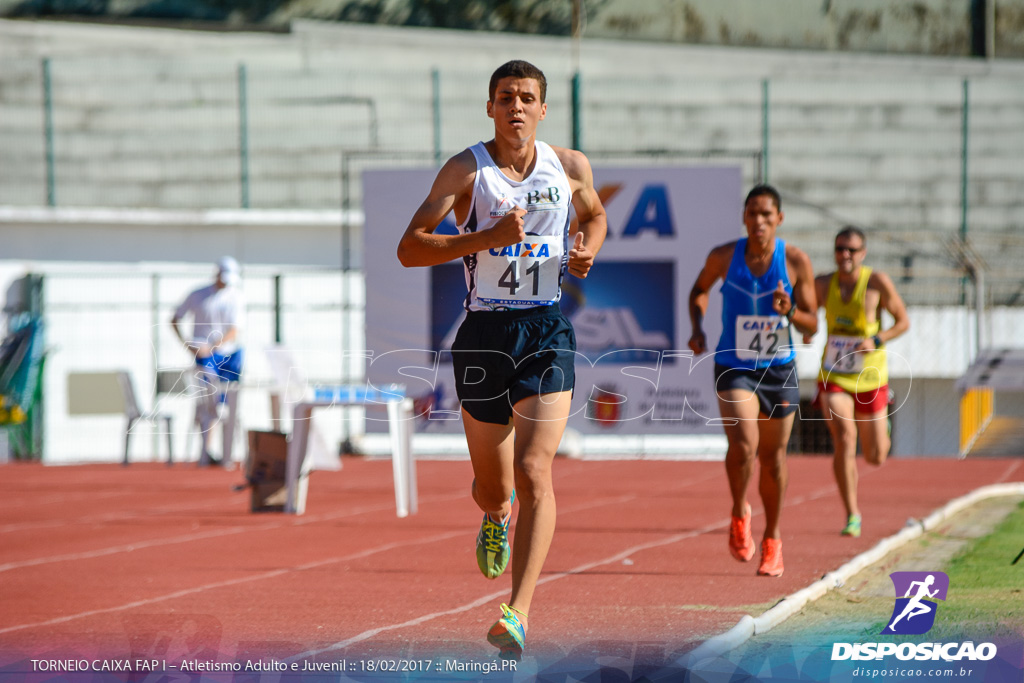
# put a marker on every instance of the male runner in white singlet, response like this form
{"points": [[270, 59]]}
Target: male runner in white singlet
{"points": [[513, 355]]}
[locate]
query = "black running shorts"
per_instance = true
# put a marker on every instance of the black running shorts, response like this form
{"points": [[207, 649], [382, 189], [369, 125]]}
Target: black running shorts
{"points": [[777, 387], [502, 357]]}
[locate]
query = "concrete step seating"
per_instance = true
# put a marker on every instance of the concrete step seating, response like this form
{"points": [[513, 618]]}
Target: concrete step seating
{"points": [[149, 117]]}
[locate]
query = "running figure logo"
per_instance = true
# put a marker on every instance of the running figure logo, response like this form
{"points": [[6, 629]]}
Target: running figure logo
{"points": [[914, 613]]}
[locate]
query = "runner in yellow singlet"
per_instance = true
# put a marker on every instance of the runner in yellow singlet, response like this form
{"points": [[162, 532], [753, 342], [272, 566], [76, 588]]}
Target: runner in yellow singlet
{"points": [[853, 385]]}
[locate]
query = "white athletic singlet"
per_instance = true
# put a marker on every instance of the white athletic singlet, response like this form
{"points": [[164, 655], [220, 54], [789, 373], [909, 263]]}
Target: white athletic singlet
{"points": [[527, 274]]}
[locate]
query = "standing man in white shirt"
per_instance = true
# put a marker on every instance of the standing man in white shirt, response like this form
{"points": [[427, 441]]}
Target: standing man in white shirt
{"points": [[217, 312]]}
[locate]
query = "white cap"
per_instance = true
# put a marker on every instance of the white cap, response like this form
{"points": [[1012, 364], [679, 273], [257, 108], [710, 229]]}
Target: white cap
{"points": [[227, 271]]}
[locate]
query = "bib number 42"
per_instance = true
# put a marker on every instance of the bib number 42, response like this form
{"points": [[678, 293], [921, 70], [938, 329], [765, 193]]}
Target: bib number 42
{"points": [[760, 336], [757, 345]]}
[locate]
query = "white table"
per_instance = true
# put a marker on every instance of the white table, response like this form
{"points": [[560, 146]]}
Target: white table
{"points": [[400, 418]]}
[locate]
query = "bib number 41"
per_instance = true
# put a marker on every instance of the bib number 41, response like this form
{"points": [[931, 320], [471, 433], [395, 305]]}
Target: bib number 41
{"points": [[510, 278], [525, 274]]}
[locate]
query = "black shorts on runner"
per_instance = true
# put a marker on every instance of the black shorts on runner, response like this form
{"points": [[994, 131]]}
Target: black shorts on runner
{"points": [[502, 357], [777, 387]]}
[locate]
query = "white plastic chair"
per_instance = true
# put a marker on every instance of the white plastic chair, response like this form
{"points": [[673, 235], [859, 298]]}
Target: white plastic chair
{"points": [[134, 412], [112, 393]]}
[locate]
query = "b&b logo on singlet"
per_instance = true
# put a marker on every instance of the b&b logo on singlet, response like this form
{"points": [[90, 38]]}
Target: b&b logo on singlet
{"points": [[537, 200], [543, 200]]}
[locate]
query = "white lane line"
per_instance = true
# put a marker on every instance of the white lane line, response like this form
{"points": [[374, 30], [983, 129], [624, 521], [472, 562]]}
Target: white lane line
{"points": [[108, 517], [62, 499], [389, 546], [174, 540], [1009, 470], [267, 575], [127, 548], [234, 582], [617, 557], [296, 521]]}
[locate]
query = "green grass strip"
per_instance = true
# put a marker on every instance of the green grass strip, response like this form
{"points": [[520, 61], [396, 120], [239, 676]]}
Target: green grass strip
{"points": [[986, 591]]}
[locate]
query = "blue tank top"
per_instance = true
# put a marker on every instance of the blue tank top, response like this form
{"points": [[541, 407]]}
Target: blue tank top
{"points": [[754, 336]]}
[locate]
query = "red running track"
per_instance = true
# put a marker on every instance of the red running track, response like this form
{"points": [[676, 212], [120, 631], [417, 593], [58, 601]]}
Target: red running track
{"points": [[151, 561]]}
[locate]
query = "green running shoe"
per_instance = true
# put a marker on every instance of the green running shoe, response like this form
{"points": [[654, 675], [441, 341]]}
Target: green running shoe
{"points": [[492, 550], [852, 527], [508, 634]]}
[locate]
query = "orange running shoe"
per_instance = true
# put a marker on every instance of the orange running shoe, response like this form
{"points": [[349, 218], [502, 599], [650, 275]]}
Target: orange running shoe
{"points": [[741, 543], [771, 558], [509, 633]]}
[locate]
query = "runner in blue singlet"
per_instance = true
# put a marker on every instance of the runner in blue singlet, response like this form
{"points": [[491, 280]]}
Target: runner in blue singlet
{"points": [[767, 290]]}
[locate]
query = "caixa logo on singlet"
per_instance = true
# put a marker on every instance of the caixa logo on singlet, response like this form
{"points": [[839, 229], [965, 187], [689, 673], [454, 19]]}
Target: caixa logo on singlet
{"points": [[764, 325], [916, 595], [524, 250]]}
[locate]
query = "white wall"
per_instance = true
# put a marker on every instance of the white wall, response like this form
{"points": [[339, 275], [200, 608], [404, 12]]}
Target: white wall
{"points": [[84, 235]]}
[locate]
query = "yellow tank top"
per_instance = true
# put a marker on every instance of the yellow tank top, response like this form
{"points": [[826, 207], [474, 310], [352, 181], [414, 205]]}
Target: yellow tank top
{"points": [[848, 326]]}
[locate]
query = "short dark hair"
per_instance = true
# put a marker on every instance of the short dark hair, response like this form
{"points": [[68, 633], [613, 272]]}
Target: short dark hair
{"points": [[764, 189], [517, 68], [852, 231]]}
